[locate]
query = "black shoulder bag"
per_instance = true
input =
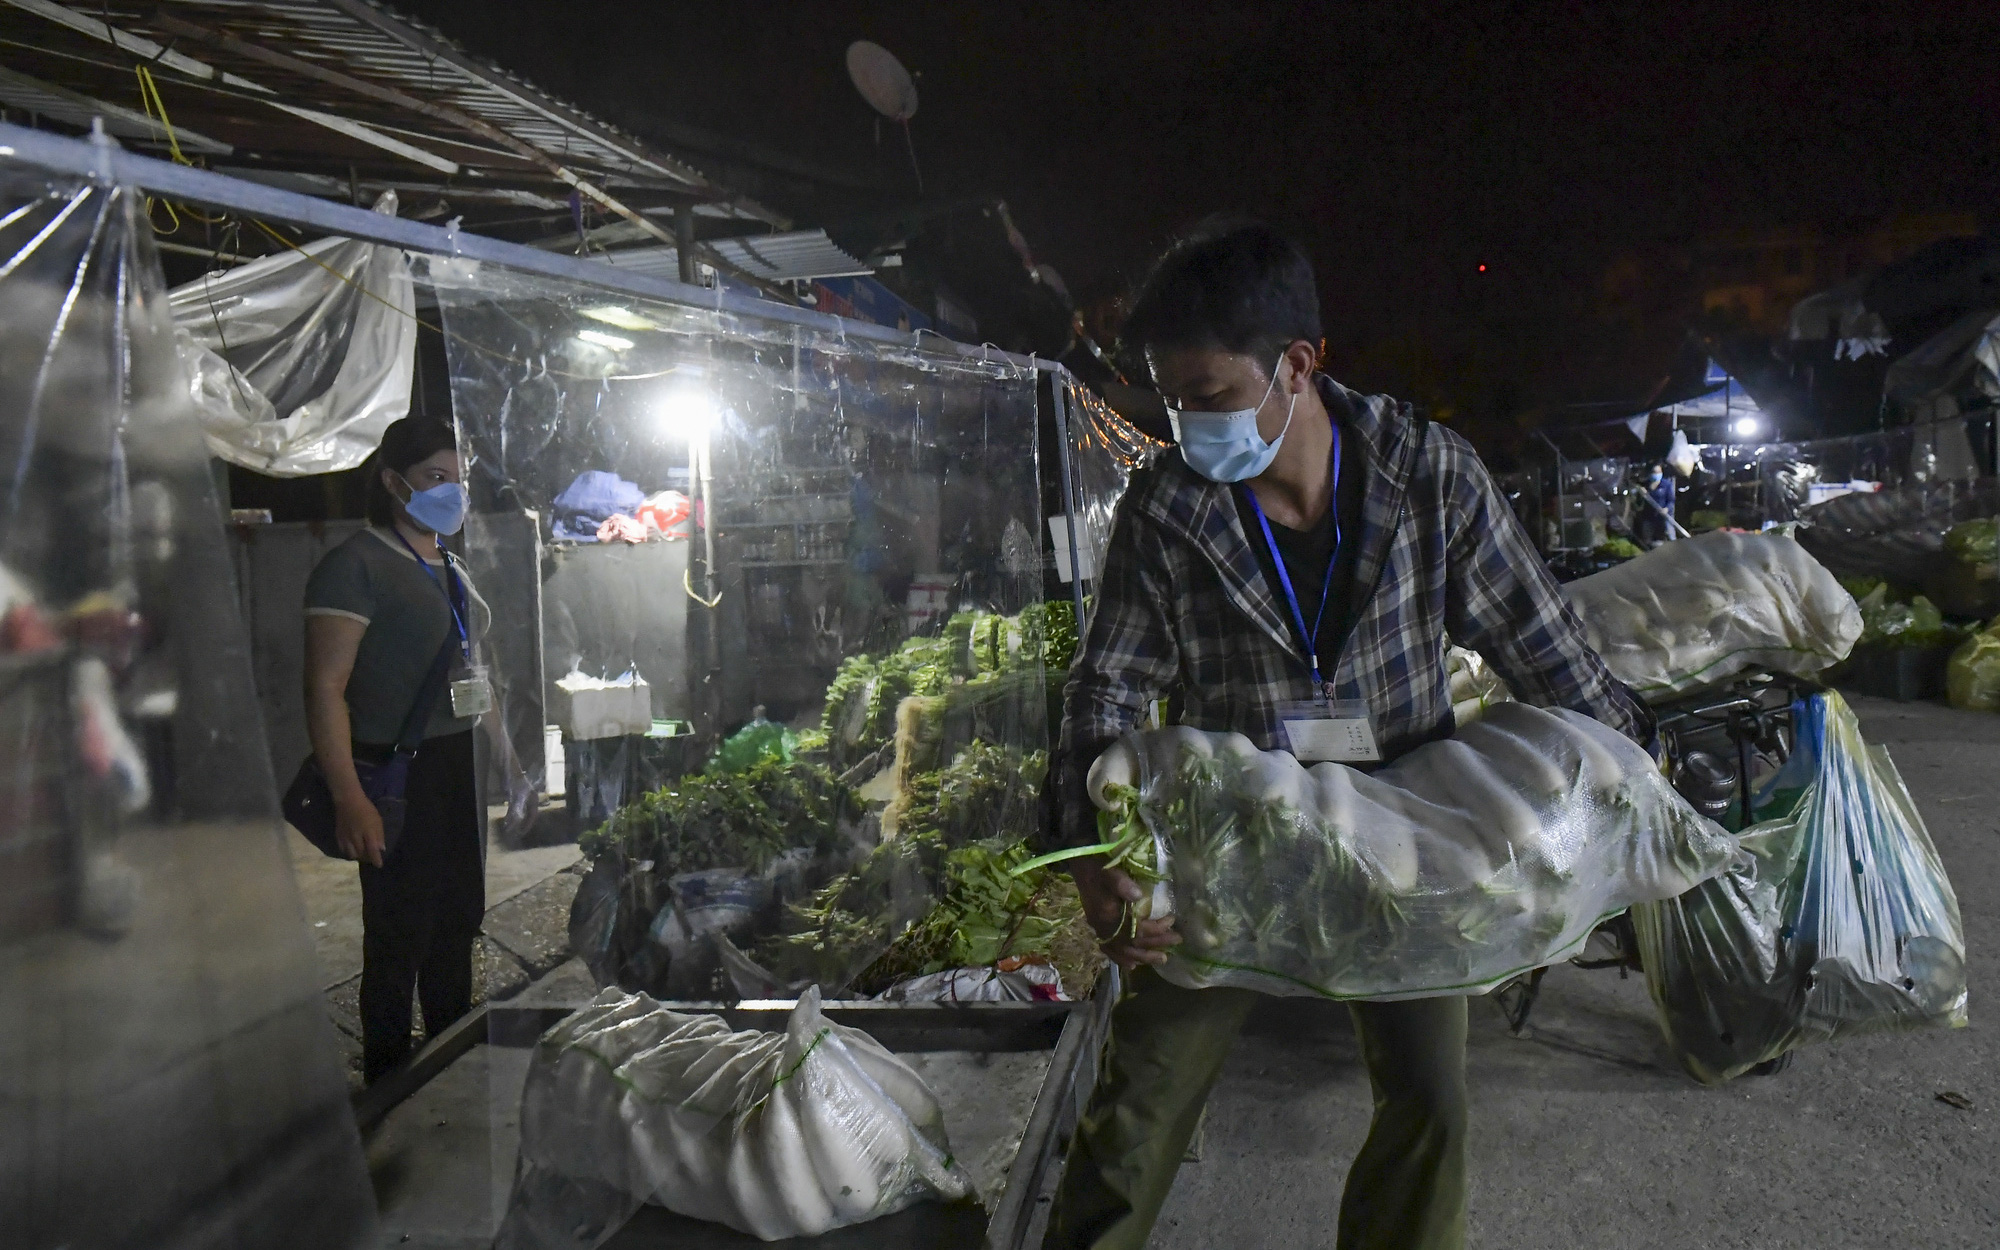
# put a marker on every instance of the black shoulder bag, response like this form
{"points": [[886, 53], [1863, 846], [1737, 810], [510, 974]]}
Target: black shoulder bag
{"points": [[308, 801]]}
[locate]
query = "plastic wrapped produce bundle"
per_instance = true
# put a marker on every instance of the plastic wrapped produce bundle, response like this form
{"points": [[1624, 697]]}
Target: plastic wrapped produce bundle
{"points": [[1972, 678], [1690, 613], [774, 1134], [1464, 863], [1839, 921]]}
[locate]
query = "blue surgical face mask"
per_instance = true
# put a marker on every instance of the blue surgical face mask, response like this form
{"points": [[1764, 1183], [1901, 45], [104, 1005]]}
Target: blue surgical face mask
{"points": [[441, 509], [1225, 446]]}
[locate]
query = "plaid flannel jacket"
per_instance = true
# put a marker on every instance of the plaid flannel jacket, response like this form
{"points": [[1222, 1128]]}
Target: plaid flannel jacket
{"points": [[1184, 612]]}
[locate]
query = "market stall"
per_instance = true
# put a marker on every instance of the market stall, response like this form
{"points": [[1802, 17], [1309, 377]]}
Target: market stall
{"points": [[795, 569]]}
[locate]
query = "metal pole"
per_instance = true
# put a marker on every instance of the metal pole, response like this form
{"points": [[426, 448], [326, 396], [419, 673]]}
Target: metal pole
{"points": [[113, 165], [1060, 389], [684, 241]]}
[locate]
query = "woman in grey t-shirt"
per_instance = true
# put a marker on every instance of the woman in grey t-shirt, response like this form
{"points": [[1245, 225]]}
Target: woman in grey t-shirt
{"points": [[379, 609]]}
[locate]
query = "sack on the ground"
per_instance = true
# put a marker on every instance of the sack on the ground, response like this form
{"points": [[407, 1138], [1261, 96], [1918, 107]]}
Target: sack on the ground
{"points": [[1839, 919], [1694, 612], [1972, 678], [1464, 863], [773, 1134]]}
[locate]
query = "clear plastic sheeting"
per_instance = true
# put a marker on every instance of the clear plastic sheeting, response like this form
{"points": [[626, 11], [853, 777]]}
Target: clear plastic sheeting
{"points": [[855, 576], [1466, 862], [1692, 613], [777, 1135], [170, 1072], [1838, 921], [298, 361]]}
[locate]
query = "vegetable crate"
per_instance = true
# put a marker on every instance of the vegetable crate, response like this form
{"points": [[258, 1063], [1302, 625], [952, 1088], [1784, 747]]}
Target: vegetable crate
{"points": [[442, 1132]]}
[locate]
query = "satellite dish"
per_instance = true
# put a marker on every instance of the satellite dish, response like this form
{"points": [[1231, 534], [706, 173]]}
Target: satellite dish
{"points": [[882, 80]]}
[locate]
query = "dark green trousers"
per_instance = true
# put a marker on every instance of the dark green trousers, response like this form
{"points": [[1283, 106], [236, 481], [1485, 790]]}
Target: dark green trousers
{"points": [[1406, 1190]]}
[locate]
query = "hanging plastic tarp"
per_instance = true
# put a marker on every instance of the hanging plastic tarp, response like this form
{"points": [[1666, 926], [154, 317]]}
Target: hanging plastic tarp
{"points": [[1960, 362], [1838, 921], [171, 1079], [298, 361], [851, 579]]}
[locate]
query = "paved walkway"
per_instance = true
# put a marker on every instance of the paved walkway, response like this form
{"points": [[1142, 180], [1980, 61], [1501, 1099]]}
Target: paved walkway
{"points": [[525, 938], [1585, 1134]]}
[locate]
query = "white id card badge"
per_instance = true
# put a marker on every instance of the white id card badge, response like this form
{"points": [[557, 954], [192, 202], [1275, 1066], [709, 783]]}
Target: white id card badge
{"points": [[1339, 731], [471, 692]]}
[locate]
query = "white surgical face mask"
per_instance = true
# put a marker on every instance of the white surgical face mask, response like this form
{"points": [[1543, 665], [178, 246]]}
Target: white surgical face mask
{"points": [[1225, 446]]}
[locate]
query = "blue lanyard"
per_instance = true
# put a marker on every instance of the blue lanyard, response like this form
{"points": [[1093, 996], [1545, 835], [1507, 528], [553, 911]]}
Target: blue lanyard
{"points": [[1310, 636], [452, 601]]}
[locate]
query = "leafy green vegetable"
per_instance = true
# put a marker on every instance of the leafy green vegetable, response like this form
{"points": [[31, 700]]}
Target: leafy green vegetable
{"points": [[756, 742], [727, 819], [1974, 542], [982, 794], [1917, 623], [1619, 549]]}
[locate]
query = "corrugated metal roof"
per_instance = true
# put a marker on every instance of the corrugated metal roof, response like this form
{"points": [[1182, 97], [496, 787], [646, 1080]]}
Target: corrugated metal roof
{"points": [[224, 88], [32, 95], [796, 256]]}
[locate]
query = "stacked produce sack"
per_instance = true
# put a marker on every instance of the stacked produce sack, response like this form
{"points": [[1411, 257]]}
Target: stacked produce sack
{"points": [[1972, 679], [1462, 864], [773, 1134], [1697, 611], [1839, 920]]}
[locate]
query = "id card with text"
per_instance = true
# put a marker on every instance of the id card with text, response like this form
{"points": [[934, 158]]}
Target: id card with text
{"points": [[1340, 731]]}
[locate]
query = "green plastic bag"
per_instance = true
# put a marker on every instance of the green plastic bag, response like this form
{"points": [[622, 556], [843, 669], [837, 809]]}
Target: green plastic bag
{"points": [[1972, 680], [751, 745]]}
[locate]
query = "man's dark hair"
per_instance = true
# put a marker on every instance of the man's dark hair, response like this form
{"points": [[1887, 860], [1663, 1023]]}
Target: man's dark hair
{"points": [[1230, 283], [403, 444]]}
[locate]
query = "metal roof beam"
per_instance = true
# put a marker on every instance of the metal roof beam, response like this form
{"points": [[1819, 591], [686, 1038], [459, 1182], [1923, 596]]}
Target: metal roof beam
{"points": [[83, 24], [132, 121], [146, 48], [109, 163], [570, 119]]}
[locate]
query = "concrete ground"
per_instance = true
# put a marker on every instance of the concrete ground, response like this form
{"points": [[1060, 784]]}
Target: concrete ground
{"points": [[1586, 1134], [525, 938]]}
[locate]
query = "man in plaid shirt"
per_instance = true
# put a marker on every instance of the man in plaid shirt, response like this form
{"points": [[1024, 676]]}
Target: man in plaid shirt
{"points": [[1303, 543]]}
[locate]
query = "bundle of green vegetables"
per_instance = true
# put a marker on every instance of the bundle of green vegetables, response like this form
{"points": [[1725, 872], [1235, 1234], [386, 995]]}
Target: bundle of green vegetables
{"points": [[1916, 623], [722, 819], [1972, 678], [1839, 921], [974, 649], [1461, 865], [983, 798]]}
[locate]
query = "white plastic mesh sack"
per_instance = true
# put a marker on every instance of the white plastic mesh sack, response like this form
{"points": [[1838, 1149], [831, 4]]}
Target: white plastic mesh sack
{"points": [[1697, 611], [774, 1134], [1464, 863], [1839, 920]]}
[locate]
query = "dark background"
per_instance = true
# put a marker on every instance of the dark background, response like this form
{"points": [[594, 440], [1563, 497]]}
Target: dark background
{"points": [[1405, 145]]}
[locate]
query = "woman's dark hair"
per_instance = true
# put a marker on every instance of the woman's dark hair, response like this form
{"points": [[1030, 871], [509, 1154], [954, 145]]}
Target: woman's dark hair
{"points": [[1230, 283], [403, 444]]}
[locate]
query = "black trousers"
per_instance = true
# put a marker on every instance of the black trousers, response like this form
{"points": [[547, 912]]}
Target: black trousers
{"points": [[421, 910]]}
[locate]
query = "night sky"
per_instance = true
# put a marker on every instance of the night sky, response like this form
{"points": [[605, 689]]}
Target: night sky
{"points": [[1404, 145]]}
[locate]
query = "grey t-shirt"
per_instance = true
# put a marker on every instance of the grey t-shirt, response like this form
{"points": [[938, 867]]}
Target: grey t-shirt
{"points": [[374, 579]]}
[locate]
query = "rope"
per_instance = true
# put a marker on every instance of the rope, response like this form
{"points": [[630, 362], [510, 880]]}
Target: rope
{"points": [[156, 112]]}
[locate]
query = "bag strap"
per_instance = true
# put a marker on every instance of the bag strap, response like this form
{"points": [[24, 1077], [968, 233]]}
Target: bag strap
{"points": [[419, 719]]}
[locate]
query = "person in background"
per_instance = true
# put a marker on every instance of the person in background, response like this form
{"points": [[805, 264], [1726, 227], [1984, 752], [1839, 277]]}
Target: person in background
{"points": [[1304, 546], [379, 608], [1654, 523]]}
